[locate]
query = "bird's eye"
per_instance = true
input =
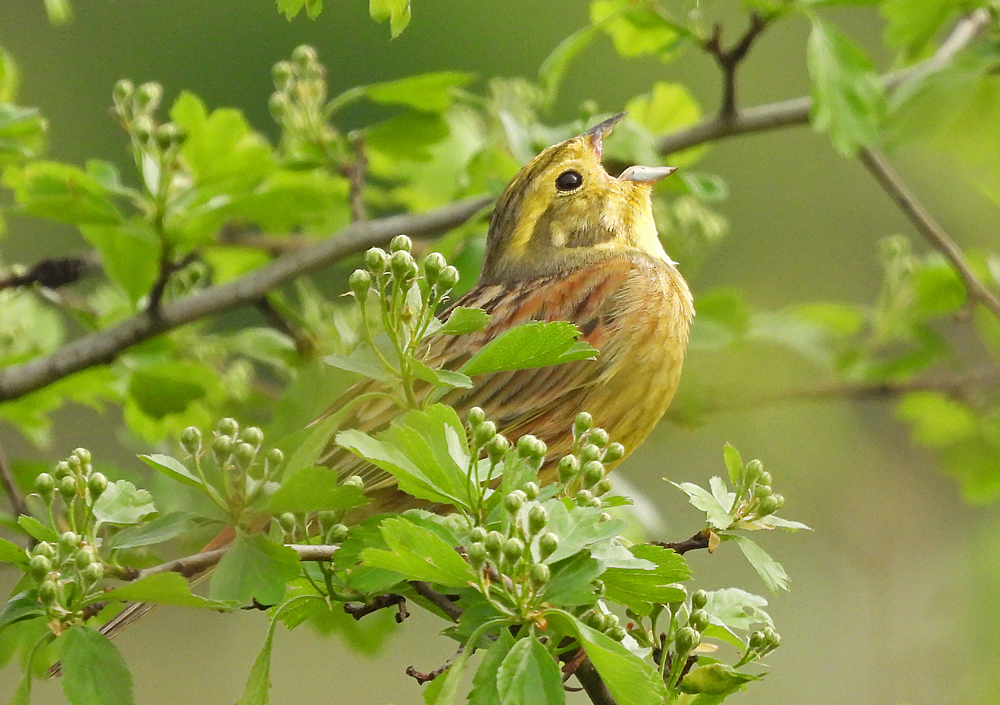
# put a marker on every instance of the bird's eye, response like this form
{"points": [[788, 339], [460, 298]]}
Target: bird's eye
{"points": [[569, 181]]}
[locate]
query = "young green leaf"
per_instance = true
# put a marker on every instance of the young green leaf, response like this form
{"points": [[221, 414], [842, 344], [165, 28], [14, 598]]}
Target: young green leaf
{"points": [[635, 30], [122, 503], [484, 683], [254, 568], [465, 320], [12, 553], [259, 682], [529, 674], [162, 528], [61, 192], [734, 464], [554, 66], [534, 344], [24, 605], [164, 589], [364, 361], [715, 679], [733, 608], [577, 528], [396, 11], [639, 590], [172, 468], [36, 529], [430, 92], [769, 570], [94, 673], [717, 514], [315, 489], [419, 554]]}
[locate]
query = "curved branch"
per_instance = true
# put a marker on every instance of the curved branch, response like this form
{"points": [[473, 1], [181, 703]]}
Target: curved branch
{"points": [[104, 346]]}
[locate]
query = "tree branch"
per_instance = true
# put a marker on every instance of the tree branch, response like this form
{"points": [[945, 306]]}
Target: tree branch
{"points": [[593, 684], [977, 292], [192, 565], [796, 111], [17, 505], [104, 346], [437, 599]]}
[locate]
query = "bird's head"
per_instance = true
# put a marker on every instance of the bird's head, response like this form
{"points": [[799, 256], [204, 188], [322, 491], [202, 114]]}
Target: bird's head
{"points": [[563, 211]]}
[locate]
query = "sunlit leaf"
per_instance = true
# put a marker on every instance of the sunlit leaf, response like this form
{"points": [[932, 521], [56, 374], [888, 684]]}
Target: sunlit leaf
{"points": [[94, 673]]}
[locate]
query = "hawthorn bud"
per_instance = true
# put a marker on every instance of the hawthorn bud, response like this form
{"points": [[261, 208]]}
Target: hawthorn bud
{"points": [[610, 621], [45, 485], [617, 633], [768, 505], [39, 567], [147, 97], [762, 491], [337, 533], [753, 472], [478, 534], [539, 575], [476, 417], [97, 483], [123, 90], [599, 587], [222, 448], [48, 592], [93, 572], [400, 243], [68, 541], [615, 451], [513, 549], [84, 557], [780, 499], [569, 466], [355, 481], [433, 264], [287, 522], [594, 620], [531, 448], [304, 55], [602, 487], [593, 472], [513, 501], [168, 136], [583, 497], [589, 452], [497, 448], [360, 283], [402, 265], [599, 437], [448, 278], [756, 642], [494, 543], [699, 599], [62, 470], [67, 487], [44, 548], [191, 440], [699, 620], [476, 553], [327, 518], [244, 454], [765, 478], [547, 544], [252, 435], [83, 455], [531, 490], [687, 640], [228, 427], [538, 517], [281, 73], [484, 433], [582, 424], [274, 457]]}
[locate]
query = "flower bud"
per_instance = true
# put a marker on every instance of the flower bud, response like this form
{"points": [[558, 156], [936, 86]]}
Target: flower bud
{"points": [[513, 549], [304, 55], [48, 592], [337, 533], [615, 451], [752, 472], [538, 517], [687, 640], [122, 92], [83, 455], [62, 470], [75, 466], [147, 97], [281, 73], [604, 516], [244, 454], [327, 518], [569, 466], [228, 427], [592, 472], [168, 136], [761, 491], [602, 487], [617, 633], [589, 452], [476, 417], [531, 448], [68, 541], [757, 641], [582, 424], [222, 448], [494, 543], [484, 433], [583, 497], [539, 575], [252, 435], [780, 499], [400, 243], [44, 548], [39, 567], [598, 587], [274, 457], [513, 501], [699, 599], [67, 487], [599, 437], [531, 490], [547, 544], [191, 440], [376, 260], [360, 283], [287, 522], [610, 621], [768, 505], [45, 485], [96, 484], [478, 534], [402, 265], [497, 448], [448, 278], [594, 620], [476, 554], [433, 264], [93, 572], [765, 478], [699, 620], [83, 557]]}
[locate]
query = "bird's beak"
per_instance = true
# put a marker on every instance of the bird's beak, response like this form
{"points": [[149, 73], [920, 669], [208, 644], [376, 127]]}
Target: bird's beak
{"points": [[601, 130], [646, 174]]}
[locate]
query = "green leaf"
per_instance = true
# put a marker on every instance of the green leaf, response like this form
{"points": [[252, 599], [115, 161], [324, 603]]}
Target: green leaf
{"points": [[734, 464], [937, 420], [716, 513], [22, 133], [572, 581], [529, 674], [418, 554], [164, 589], [912, 25], [94, 673], [484, 683], [61, 192], [162, 528], [431, 92], [769, 570], [445, 379], [259, 682], [848, 103], [407, 137], [24, 605], [130, 253], [396, 11], [12, 553], [667, 108], [36, 529], [640, 589], [629, 679], [635, 30], [533, 344], [172, 468], [254, 568], [122, 503], [555, 65], [464, 320], [577, 528], [170, 387], [314, 489], [733, 608], [715, 679], [364, 361]]}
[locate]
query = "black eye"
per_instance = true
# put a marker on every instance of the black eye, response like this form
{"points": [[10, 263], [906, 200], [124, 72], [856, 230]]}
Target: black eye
{"points": [[569, 180]]}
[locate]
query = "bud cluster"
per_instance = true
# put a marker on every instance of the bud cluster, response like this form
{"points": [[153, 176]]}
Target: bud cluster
{"points": [[583, 473], [75, 482], [136, 106], [756, 498], [298, 105], [327, 525]]}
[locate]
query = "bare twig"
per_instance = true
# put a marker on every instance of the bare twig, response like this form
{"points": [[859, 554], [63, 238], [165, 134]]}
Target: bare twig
{"points": [[17, 505], [796, 111], [729, 60], [356, 174], [53, 272], [379, 602], [696, 543], [104, 346], [442, 602], [304, 345], [422, 678], [977, 292]]}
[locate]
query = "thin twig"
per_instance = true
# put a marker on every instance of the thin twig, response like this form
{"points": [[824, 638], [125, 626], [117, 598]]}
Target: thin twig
{"points": [[729, 60], [356, 174], [977, 292], [696, 543], [379, 602], [199, 562], [17, 505], [422, 678], [304, 345], [796, 111], [104, 346], [593, 684], [442, 602], [53, 272]]}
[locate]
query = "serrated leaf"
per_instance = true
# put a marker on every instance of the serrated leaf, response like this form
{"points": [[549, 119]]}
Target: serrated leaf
{"points": [[170, 387], [419, 554], [315, 489], [640, 589], [172, 468], [635, 30], [364, 361], [36, 529], [129, 253], [734, 464], [162, 528], [529, 674], [718, 516], [24, 605], [254, 568], [465, 320], [769, 570], [164, 589], [12, 553], [94, 673], [484, 683], [577, 528], [431, 92], [716, 679], [572, 581], [396, 11], [445, 379], [848, 103], [61, 192], [122, 503], [534, 344], [733, 608]]}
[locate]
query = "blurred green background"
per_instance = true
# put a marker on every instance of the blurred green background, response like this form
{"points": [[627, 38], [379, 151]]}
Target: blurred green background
{"points": [[893, 596]]}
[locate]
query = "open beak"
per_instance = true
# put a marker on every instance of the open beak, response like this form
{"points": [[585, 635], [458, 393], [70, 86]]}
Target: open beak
{"points": [[601, 130], [646, 174]]}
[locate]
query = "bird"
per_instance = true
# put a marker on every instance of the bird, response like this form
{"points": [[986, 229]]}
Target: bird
{"points": [[566, 242]]}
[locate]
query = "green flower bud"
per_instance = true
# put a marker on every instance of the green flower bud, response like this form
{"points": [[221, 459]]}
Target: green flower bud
{"points": [[476, 417], [274, 457], [337, 533], [93, 573], [531, 490], [602, 487], [68, 541], [147, 97], [168, 136], [539, 575], [448, 278], [687, 640], [752, 472], [699, 599], [45, 485], [583, 497], [304, 55], [582, 424], [547, 544], [228, 427], [376, 260], [244, 454], [433, 264], [569, 466], [589, 452], [761, 491], [222, 448], [769, 635], [62, 470], [757, 641], [780, 499], [592, 472], [538, 517], [287, 522], [75, 466], [252, 435], [617, 633], [497, 448], [594, 620], [327, 519], [513, 501], [765, 478], [768, 505], [484, 433], [615, 451], [44, 548], [402, 265], [122, 91], [513, 549], [360, 283], [699, 620], [400, 243], [96, 484], [598, 587], [478, 534], [594, 503], [610, 621], [476, 554], [530, 448], [281, 73], [354, 481], [604, 516], [191, 440], [39, 567], [494, 543], [599, 437], [48, 592], [83, 455], [83, 557], [67, 487]]}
